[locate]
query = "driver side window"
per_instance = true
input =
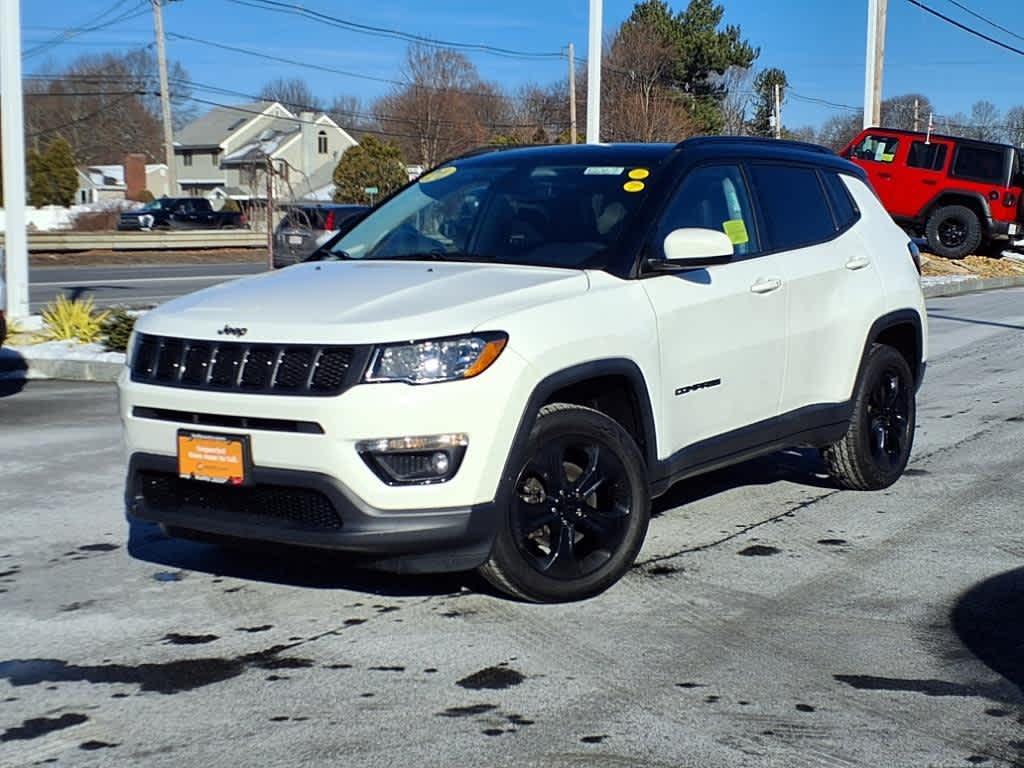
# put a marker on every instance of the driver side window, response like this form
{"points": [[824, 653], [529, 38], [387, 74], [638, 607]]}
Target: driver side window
{"points": [[713, 197]]}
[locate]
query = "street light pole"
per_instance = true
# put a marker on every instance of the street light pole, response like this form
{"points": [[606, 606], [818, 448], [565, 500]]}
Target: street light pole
{"points": [[594, 74], [13, 130]]}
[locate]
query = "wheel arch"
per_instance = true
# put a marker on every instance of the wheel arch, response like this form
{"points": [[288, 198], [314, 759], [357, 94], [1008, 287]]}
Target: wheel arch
{"points": [[574, 384], [903, 330], [974, 200]]}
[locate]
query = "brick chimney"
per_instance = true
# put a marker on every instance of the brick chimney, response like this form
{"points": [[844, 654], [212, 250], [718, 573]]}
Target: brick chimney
{"points": [[134, 176]]}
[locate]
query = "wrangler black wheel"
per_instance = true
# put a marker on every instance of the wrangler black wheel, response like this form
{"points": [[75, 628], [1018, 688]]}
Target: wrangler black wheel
{"points": [[953, 231], [875, 450], [579, 513]]}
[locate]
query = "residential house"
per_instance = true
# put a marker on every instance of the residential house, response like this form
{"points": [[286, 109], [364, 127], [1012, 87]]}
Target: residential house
{"points": [[225, 153], [101, 183]]}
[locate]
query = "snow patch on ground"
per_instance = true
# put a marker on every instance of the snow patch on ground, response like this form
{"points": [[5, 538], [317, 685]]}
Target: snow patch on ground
{"points": [[68, 350], [946, 279]]}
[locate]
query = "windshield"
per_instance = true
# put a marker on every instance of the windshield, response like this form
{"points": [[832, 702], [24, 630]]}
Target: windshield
{"points": [[537, 213], [152, 205]]}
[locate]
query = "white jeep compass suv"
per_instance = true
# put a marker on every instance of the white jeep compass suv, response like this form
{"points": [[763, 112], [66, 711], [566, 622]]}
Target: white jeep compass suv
{"points": [[505, 361]]}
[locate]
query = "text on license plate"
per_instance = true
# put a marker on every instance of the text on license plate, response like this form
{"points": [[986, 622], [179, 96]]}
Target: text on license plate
{"points": [[213, 458]]}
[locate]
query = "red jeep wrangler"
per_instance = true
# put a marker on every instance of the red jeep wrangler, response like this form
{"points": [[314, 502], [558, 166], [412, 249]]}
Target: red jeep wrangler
{"points": [[957, 193]]}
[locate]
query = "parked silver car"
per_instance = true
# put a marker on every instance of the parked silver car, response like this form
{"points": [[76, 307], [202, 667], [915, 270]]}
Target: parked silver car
{"points": [[307, 226]]}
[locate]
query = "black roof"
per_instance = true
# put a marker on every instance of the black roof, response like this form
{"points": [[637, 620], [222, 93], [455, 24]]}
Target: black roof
{"points": [[739, 147], [944, 137]]}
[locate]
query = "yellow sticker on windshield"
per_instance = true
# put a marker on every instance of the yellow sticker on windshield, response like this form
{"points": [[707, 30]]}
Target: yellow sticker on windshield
{"points": [[639, 173], [440, 173], [633, 186], [736, 229]]}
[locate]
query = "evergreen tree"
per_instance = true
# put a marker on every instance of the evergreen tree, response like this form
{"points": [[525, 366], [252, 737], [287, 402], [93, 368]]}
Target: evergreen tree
{"points": [[63, 174], [762, 123], [372, 163]]}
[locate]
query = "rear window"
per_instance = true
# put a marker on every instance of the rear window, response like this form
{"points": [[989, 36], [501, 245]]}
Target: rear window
{"points": [[843, 208], [979, 164], [304, 218], [930, 157], [793, 202]]}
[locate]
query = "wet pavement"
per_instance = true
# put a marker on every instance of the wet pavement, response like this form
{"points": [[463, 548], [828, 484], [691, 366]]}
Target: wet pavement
{"points": [[772, 620]]}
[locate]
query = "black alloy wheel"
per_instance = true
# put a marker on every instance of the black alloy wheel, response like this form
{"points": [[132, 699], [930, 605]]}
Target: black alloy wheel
{"points": [[888, 414], [572, 507], [577, 511]]}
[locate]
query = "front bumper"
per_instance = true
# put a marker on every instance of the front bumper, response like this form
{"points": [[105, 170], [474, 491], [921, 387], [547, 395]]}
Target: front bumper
{"points": [[421, 540]]}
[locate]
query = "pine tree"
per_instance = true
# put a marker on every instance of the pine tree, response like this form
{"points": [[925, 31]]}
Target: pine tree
{"points": [[764, 111], [38, 185], [63, 175]]}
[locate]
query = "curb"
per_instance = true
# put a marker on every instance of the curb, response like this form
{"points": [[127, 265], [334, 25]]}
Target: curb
{"points": [[14, 366], [971, 285]]}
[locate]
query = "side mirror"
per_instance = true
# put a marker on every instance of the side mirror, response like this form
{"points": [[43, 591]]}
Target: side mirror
{"points": [[692, 249]]}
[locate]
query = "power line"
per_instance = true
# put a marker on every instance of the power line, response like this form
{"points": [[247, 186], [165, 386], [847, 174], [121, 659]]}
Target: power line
{"points": [[93, 25], [985, 19], [965, 28], [367, 29]]}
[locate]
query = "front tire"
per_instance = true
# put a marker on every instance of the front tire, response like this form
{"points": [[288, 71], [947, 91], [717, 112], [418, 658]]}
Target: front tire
{"points": [[953, 231], [876, 447], [578, 512]]}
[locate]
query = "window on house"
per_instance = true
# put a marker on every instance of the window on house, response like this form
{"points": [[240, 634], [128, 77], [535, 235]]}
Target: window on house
{"points": [[321, 142], [213, 157], [186, 159]]}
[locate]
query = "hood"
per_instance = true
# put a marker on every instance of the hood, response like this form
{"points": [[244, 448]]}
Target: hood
{"points": [[355, 302]]}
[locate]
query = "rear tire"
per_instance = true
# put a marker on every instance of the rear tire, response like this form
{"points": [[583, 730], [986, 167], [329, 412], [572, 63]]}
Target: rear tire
{"points": [[578, 512], [953, 231], [876, 447]]}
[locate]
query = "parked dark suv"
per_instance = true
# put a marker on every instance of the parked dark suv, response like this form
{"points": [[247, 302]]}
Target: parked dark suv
{"points": [[306, 227], [960, 194], [180, 213]]}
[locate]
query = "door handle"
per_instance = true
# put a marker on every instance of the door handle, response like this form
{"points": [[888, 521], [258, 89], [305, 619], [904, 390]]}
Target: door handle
{"points": [[886, 176], [929, 182], [858, 262], [766, 285]]}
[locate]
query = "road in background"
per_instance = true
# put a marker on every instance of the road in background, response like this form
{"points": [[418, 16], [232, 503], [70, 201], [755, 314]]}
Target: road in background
{"points": [[139, 285], [772, 620]]}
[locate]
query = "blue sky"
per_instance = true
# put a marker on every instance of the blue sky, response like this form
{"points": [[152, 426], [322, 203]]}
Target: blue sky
{"points": [[820, 44]]}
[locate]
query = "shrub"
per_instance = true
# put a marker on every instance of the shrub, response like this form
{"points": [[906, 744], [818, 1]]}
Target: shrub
{"points": [[230, 204], [145, 196], [117, 329], [66, 319]]}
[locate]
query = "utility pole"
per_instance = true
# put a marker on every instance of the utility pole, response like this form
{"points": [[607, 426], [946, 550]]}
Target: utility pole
{"points": [[270, 211], [594, 74], [572, 94], [15, 249], [875, 62], [778, 111], [917, 115], [165, 97]]}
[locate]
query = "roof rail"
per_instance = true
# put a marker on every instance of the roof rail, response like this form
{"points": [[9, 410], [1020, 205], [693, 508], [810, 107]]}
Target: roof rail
{"points": [[804, 145]]}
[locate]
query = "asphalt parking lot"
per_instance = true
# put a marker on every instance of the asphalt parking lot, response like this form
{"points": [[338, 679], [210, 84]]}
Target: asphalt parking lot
{"points": [[772, 621]]}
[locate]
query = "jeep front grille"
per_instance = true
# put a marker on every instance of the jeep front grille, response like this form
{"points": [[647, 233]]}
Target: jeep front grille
{"points": [[234, 366]]}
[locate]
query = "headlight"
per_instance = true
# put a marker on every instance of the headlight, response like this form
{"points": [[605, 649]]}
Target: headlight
{"points": [[425, 362]]}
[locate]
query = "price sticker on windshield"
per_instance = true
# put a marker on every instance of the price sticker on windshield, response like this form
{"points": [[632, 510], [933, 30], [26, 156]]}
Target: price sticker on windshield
{"points": [[440, 173]]}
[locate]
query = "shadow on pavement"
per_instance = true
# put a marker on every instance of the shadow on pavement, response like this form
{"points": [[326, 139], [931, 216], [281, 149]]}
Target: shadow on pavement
{"points": [[934, 315], [989, 620], [797, 465], [292, 566], [12, 372]]}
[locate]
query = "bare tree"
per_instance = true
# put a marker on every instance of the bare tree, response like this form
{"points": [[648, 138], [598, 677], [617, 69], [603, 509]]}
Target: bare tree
{"points": [[293, 93], [986, 122], [898, 111], [637, 101], [738, 84], [1015, 126], [443, 109], [838, 131]]}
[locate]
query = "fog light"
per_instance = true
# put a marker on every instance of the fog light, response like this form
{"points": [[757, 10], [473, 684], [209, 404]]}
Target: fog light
{"points": [[414, 460]]}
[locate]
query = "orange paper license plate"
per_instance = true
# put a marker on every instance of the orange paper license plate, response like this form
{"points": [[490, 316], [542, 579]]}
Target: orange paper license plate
{"points": [[213, 458]]}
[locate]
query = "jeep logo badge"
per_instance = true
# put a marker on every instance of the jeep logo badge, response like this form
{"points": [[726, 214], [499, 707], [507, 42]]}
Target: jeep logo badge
{"points": [[227, 330]]}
